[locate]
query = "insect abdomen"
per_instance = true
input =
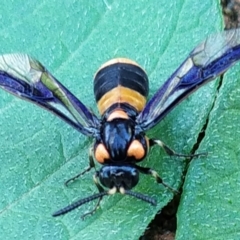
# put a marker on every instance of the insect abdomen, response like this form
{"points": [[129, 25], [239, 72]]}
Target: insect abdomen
{"points": [[120, 81]]}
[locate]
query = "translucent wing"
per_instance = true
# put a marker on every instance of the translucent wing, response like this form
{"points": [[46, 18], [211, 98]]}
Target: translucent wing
{"points": [[28, 79], [207, 61]]}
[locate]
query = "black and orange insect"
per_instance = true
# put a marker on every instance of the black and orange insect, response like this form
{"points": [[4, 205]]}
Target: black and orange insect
{"points": [[120, 89]]}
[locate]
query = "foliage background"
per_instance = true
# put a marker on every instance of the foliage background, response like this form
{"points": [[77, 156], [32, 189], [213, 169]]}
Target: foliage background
{"points": [[39, 152]]}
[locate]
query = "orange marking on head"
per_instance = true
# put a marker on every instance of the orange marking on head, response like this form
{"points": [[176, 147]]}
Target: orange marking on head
{"points": [[136, 150], [118, 113], [101, 154]]}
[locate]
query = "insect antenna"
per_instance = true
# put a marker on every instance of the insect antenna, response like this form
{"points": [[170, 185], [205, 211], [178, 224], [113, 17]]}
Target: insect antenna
{"points": [[140, 196], [79, 203], [99, 195]]}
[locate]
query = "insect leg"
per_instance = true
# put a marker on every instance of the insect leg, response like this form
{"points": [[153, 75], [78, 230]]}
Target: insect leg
{"points": [[158, 179], [171, 152], [100, 189], [91, 165]]}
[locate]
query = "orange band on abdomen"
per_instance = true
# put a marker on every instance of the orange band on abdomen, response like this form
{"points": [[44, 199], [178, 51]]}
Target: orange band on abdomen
{"points": [[121, 94]]}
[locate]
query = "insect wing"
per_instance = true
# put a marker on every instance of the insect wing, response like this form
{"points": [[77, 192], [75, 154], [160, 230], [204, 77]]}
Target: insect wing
{"points": [[207, 61], [28, 79]]}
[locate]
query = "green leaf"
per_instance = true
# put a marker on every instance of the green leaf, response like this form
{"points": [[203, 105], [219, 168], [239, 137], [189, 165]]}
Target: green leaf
{"points": [[39, 152], [210, 203]]}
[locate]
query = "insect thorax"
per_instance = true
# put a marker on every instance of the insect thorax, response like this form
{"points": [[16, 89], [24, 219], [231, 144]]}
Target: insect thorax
{"points": [[119, 144]]}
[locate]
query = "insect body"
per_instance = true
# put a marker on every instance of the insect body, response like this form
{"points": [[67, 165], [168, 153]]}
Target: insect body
{"points": [[120, 88], [119, 102]]}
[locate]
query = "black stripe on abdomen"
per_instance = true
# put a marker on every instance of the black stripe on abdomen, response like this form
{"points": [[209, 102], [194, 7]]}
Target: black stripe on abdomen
{"points": [[123, 74]]}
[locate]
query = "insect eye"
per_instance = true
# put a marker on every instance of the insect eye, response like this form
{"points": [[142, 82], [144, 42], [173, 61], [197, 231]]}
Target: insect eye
{"points": [[136, 150], [101, 154]]}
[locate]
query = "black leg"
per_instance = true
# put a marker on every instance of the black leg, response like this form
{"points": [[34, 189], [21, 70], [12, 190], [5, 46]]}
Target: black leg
{"points": [[100, 189], [91, 165], [171, 152], [82, 201], [158, 179]]}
